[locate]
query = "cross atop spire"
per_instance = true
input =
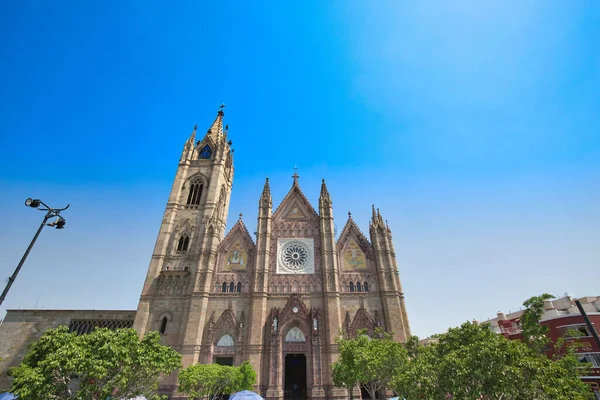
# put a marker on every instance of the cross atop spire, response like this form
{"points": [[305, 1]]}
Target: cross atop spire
{"points": [[295, 176], [221, 107]]}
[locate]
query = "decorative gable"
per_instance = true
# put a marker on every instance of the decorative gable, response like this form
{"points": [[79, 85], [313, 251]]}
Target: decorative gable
{"points": [[362, 320], [236, 251], [295, 206], [353, 248]]}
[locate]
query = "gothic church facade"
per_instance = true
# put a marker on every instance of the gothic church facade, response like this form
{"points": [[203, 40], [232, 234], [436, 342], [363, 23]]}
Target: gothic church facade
{"points": [[279, 299]]}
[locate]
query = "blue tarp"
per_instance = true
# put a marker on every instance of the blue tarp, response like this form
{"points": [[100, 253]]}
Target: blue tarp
{"points": [[7, 396], [245, 395]]}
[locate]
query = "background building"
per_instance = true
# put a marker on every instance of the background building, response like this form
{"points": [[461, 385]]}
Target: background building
{"points": [[561, 316]]}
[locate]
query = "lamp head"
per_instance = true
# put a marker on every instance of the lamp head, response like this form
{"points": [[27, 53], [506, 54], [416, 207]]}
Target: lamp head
{"points": [[34, 203], [58, 223]]}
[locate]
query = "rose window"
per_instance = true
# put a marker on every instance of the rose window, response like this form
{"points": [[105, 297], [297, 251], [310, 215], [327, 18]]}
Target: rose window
{"points": [[295, 256]]}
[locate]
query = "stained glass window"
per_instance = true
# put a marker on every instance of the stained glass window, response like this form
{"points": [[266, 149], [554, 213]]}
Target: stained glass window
{"points": [[206, 152]]}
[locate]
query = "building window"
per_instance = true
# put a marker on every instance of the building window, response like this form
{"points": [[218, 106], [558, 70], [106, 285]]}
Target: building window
{"points": [[205, 153], [358, 287], [224, 288], [163, 326], [366, 287], [352, 287], [592, 358], [195, 193], [295, 335], [574, 331], [83, 326], [231, 287], [184, 242], [239, 287], [225, 341]]}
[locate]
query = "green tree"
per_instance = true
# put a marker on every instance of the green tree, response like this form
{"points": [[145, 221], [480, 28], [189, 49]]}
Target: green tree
{"points": [[535, 335], [213, 380], [472, 362], [370, 362], [248, 376], [102, 364]]}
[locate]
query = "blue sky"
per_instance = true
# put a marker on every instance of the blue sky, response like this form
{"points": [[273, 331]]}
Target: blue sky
{"points": [[473, 126]]}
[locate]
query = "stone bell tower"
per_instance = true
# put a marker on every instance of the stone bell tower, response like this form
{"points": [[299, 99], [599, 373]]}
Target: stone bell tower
{"points": [[179, 277]]}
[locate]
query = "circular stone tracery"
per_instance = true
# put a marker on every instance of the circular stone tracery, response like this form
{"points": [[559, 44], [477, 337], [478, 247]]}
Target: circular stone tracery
{"points": [[295, 256]]}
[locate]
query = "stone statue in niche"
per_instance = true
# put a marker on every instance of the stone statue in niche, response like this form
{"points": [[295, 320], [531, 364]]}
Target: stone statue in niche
{"points": [[315, 323], [275, 322]]}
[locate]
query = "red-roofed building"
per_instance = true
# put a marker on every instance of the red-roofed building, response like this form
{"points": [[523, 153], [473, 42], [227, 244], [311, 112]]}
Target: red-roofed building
{"points": [[561, 316]]}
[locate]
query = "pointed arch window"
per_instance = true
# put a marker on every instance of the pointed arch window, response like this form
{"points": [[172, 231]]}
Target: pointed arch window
{"points": [[358, 287], [239, 287], [225, 341], [195, 193], [295, 335], [224, 288], [205, 153], [366, 287], [163, 326], [352, 287], [231, 287], [184, 242]]}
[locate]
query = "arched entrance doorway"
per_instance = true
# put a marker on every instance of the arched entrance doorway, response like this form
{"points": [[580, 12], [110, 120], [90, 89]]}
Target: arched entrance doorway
{"points": [[294, 383]]}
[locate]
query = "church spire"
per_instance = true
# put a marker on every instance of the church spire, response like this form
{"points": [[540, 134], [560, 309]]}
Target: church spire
{"points": [[265, 197], [324, 199], [216, 129], [266, 189], [376, 219], [193, 135], [324, 191]]}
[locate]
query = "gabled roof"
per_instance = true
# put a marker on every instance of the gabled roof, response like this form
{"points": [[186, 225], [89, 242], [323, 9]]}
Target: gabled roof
{"points": [[352, 228], [295, 191], [238, 228]]}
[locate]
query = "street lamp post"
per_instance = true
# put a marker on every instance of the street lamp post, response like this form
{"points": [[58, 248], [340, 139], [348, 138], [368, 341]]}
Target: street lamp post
{"points": [[58, 223]]}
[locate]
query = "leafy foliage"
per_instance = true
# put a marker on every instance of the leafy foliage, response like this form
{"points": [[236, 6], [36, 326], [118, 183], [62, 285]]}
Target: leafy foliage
{"points": [[99, 365], [535, 335], [370, 362], [248, 376], [472, 362], [214, 380]]}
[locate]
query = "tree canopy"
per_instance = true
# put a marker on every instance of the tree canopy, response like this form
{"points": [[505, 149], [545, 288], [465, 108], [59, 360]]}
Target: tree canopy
{"points": [[370, 362], [100, 365], [535, 334], [472, 362], [213, 380]]}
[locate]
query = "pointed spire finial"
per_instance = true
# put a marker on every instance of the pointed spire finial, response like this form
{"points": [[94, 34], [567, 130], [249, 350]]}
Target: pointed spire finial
{"points": [[215, 132], [221, 107], [324, 191], [379, 217], [193, 135], [295, 176], [374, 214], [266, 190], [241, 216], [349, 215]]}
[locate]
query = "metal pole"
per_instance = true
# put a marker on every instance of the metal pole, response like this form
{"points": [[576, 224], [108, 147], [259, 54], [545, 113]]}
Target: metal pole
{"points": [[588, 323], [12, 278]]}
